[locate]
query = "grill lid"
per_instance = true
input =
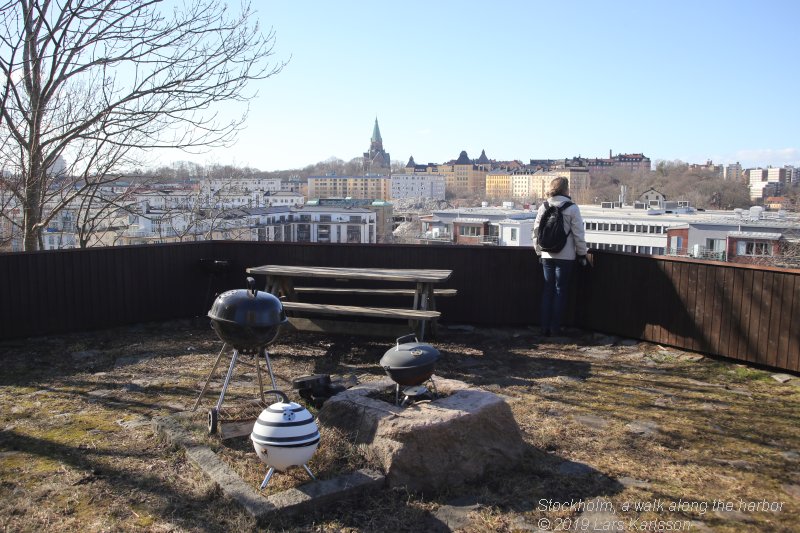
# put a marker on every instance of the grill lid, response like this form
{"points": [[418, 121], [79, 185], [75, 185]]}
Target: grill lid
{"points": [[248, 307], [409, 354]]}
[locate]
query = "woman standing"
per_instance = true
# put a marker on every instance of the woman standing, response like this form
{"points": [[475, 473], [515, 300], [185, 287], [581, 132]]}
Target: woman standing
{"points": [[558, 266]]}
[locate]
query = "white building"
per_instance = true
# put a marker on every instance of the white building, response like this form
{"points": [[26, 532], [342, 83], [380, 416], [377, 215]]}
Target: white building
{"points": [[242, 184], [644, 231], [332, 224], [626, 229], [326, 224], [503, 226], [283, 198], [165, 199], [513, 232], [766, 182], [427, 186]]}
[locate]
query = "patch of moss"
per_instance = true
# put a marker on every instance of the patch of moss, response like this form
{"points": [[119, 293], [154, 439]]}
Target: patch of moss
{"points": [[12, 464], [741, 374]]}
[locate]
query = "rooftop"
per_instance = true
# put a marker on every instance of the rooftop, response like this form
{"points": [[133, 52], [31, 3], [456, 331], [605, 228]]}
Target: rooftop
{"points": [[604, 419]]}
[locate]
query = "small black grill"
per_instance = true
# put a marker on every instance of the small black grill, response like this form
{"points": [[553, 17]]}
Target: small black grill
{"points": [[410, 364]]}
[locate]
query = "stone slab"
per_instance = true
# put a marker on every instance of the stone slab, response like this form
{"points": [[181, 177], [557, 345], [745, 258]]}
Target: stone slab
{"points": [[312, 496], [304, 499]]}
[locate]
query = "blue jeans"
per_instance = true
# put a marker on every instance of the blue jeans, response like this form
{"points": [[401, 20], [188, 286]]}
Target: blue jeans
{"points": [[557, 274]]}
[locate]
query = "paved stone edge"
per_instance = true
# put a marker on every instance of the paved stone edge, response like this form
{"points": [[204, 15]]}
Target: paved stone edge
{"points": [[307, 498]]}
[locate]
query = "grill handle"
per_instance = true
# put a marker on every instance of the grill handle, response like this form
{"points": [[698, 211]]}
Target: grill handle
{"points": [[278, 393], [406, 338], [251, 286]]}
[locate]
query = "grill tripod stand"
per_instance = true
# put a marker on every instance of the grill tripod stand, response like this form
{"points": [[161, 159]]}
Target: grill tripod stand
{"points": [[213, 414]]}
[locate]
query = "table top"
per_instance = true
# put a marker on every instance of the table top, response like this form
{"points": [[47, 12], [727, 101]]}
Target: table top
{"points": [[385, 274]]}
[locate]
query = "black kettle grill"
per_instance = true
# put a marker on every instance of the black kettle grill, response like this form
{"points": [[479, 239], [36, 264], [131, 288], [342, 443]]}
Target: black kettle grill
{"points": [[247, 320], [410, 364]]}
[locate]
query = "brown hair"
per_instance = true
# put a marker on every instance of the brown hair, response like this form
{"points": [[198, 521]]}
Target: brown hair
{"points": [[558, 186]]}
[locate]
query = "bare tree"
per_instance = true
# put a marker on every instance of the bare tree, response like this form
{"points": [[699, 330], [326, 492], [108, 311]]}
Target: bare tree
{"points": [[98, 82]]}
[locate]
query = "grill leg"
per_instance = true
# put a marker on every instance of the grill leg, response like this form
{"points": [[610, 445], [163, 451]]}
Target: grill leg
{"points": [[260, 382], [433, 386], [309, 471], [210, 375], [266, 479], [227, 379], [269, 369]]}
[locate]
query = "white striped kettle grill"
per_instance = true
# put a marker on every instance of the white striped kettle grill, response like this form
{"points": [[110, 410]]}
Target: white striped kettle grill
{"points": [[285, 435]]}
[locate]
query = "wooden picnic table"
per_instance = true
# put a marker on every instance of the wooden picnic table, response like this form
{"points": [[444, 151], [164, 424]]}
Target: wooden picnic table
{"points": [[281, 282]]}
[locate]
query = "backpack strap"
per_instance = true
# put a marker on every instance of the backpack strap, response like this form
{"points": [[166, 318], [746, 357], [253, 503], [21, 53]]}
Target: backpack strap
{"points": [[561, 210]]}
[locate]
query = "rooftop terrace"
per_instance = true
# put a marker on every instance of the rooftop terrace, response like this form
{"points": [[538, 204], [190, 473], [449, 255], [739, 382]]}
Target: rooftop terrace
{"points": [[602, 417], [658, 393]]}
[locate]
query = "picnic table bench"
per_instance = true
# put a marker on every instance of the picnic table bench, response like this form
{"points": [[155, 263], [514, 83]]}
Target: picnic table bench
{"points": [[281, 283]]}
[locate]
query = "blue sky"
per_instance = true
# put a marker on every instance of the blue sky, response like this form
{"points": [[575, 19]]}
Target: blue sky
{"points": [[675, 80]]}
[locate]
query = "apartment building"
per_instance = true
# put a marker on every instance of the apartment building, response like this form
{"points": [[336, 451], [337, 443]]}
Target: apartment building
{"points": [[418, 185], [242, 184], [532, 184], [384, 212], [328, 224], [463, 176], [764, 182], [734, 172], [369, 187], [631, 162]]}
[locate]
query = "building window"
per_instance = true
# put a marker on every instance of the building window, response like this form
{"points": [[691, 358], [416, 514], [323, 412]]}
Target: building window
{"points": [[513, 234], [324, 233], [754, 248], [353, 234], [715, 245], [304, 233], [469, 231]]}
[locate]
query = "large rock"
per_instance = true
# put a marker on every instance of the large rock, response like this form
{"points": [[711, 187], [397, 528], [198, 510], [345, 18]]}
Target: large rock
{"points": [[429, 445]]}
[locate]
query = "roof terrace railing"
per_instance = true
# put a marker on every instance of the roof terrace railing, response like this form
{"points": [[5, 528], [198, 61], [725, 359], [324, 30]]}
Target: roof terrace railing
{"points": [[742, 312]]}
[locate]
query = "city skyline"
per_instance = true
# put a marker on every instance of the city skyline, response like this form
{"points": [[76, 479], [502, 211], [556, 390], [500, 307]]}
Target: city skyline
{"points": [[525, 80]]}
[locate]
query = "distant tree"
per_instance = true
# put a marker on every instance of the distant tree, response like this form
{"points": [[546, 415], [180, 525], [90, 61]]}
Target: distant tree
{"points": [[97, 82], [792, 198]]}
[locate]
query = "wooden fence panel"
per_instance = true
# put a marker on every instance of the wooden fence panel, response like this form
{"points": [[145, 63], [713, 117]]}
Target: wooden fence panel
{"points": [[739, 311]]}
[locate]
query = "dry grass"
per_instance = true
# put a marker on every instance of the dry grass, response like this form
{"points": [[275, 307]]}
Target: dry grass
{"points": [[633, 423]]}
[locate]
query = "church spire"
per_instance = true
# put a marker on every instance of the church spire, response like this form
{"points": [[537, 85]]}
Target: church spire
{"points": [[376, 158], [376, 133]]}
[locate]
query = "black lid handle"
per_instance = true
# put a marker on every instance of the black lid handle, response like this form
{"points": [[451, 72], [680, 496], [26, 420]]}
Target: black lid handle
{"points": [[251, 286], [406, 338]]}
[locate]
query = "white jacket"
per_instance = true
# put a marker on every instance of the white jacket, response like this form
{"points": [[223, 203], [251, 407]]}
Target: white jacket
{"points": [[573, 224]]}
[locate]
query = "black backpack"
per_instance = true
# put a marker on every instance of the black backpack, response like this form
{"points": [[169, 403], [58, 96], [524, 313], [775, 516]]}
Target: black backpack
{"points": [[551, 236]]}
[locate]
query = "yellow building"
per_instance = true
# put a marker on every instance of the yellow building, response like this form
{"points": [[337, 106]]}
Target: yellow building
{"points": [[463, 177], [498, 185], [361, 187], [505, 185]]}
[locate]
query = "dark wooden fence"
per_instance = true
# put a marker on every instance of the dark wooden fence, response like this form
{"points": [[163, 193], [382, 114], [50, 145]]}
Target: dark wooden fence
{"points": [[736, 311]]}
